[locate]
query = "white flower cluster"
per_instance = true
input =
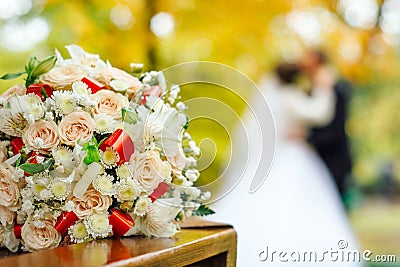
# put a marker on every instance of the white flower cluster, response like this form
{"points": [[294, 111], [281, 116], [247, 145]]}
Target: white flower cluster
{"points": [[84, 141]]}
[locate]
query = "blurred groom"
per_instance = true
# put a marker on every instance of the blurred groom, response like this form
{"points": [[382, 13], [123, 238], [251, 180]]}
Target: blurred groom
{"points": [[331, 141]]}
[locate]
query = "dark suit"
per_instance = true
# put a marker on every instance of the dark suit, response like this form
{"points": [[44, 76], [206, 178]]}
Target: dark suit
{"points": [[331, 141]]}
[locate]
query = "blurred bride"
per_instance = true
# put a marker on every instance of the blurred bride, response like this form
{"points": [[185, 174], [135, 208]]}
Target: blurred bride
{"points": [[296, 217]]}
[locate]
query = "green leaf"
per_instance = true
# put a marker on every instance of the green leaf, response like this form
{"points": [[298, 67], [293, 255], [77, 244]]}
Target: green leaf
{"points": [[18, 161], [93, 154], [44, 66], [32, 168], [203, 210], [10, 76], [129, 115], [186, 126]]}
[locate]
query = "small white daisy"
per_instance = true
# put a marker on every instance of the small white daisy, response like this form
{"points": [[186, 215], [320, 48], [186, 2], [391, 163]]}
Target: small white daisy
{"points": [[61, 154], [80, 88], [119, 86], [60, 189], [123, 171], [64, 102], [127, 190], [98, 225], [78, 232], [109, 158], [103, 183], [104, 124], [141, 206], [36, 111], [32, 99]]}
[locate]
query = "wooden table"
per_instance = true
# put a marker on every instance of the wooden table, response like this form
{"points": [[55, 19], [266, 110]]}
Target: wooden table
{"points": [[198, 244]]}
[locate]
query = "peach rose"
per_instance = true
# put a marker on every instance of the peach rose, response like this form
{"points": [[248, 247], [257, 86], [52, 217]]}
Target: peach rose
{"points": [[42, 136], [9, 190], [40, 238], [16, 89], [4, 150], [76, 125], [109, 74], [62, 77], [109, 103], [7, 216], [93, 201], [149, 170]]}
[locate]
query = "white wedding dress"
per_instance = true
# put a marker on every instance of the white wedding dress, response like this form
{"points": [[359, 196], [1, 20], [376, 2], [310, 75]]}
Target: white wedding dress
{"points": [[296, 213]]}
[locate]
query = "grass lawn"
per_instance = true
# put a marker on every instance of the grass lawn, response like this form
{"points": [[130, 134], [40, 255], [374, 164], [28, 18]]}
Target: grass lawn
{"points": [[377, 226]]}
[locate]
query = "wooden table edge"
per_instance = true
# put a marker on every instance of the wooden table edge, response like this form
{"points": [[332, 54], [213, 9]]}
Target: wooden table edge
{"points": [[188, 253]]}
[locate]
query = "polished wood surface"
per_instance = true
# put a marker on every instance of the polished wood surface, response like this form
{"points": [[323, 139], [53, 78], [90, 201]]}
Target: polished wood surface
{"points": [[199, 243]]}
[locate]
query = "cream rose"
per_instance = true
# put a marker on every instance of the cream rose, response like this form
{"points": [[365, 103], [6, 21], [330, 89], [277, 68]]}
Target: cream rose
{"points": [[40, 238], [4, 150], [62, 77], [76, 125], [93, 201], [7, 216], [107, 75], [149, 170], [9, 190], [42, 136], [16, 89], [109, 103]]}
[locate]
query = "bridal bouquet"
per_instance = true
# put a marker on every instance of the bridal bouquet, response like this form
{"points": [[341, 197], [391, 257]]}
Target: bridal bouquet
{"points": [[89, 151]]}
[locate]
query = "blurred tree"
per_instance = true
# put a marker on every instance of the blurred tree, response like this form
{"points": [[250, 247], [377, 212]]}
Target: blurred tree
{"points": [[360, 36]]}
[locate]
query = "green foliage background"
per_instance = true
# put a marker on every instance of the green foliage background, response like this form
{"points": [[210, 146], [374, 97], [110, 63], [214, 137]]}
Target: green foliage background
{"points": [[248, 35]]}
